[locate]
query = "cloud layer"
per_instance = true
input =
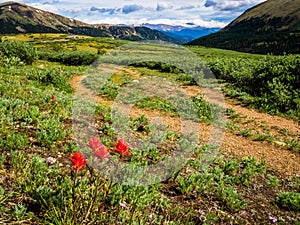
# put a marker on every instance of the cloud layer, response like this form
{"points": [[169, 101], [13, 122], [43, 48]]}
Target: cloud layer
{"points": [[230, 5], [206, 13]]}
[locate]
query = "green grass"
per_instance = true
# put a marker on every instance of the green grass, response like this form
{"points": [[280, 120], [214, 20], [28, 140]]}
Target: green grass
{"points": [[33, 190], [208, 54], [263, 82]]}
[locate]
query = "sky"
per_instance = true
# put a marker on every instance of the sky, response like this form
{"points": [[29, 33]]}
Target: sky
{"points": [[205, 13]]}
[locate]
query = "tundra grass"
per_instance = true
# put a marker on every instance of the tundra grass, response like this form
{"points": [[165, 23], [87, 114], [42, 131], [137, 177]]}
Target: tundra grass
{"points": [[38, 184]]}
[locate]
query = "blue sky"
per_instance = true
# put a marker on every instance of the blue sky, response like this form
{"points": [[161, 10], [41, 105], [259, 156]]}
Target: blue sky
{"points": [[206, 13]]}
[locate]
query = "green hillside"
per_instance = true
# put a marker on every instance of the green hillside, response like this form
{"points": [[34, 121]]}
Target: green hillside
{"points": [[270, 27], [16, 18]]}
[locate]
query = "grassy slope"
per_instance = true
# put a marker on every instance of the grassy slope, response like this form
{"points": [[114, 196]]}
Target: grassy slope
{"points": [[34, 127], [272, 9], [270, 27]]}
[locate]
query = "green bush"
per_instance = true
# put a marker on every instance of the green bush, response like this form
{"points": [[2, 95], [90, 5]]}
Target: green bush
{"points": [[24, 51], [56, 77], [272, 82], [70, 58], [162, 67], [276, 81], [10, 61], [289, 200], [50, 131], [14, 141]]}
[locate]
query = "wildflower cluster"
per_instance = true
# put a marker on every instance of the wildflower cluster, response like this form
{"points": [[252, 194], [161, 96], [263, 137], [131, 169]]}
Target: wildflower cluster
{"points": [[78, 161], [122, 147], [99, 151]]}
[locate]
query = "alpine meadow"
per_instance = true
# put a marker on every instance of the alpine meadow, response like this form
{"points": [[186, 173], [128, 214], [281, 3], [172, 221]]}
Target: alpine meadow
{"points": [[60, 78]]}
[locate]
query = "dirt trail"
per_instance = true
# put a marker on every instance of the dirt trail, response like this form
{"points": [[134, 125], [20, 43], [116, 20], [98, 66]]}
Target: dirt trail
{"points": [[284, 160], [276, 157], [271, 121]]}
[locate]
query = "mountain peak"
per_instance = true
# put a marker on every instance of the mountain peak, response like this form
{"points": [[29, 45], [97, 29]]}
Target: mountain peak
{"points": [[12, 4], [9, 3], [285, 12], [19, 18], [269, 27]]}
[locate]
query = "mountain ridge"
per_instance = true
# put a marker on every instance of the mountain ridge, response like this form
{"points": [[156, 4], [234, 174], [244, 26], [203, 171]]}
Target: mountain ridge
{"points": [[182, 33], [18, 18], [269, 27]]}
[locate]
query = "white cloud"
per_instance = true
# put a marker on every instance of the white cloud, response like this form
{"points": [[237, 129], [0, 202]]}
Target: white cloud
{"points": [[231, 4], [187, 7], [140, 21], [206, 13], [131, 8], [46, 7], [161, 6], [95, 10], [78, 10]]}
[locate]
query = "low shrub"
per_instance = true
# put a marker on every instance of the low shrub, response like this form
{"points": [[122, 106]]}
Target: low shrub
{"points": [[56, 77], [289, 200], [272, 83], [70, 58], [162, 67], [26, 52]]}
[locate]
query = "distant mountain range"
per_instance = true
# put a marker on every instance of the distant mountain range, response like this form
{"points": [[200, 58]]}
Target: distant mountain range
{"points": [[182, 33], [270, 27], [18, 18]]}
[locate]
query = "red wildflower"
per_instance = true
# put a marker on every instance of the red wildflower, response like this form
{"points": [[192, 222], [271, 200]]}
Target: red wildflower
{"points": [[122, 147], [78, 161], [52, 96], [99, 149]]}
